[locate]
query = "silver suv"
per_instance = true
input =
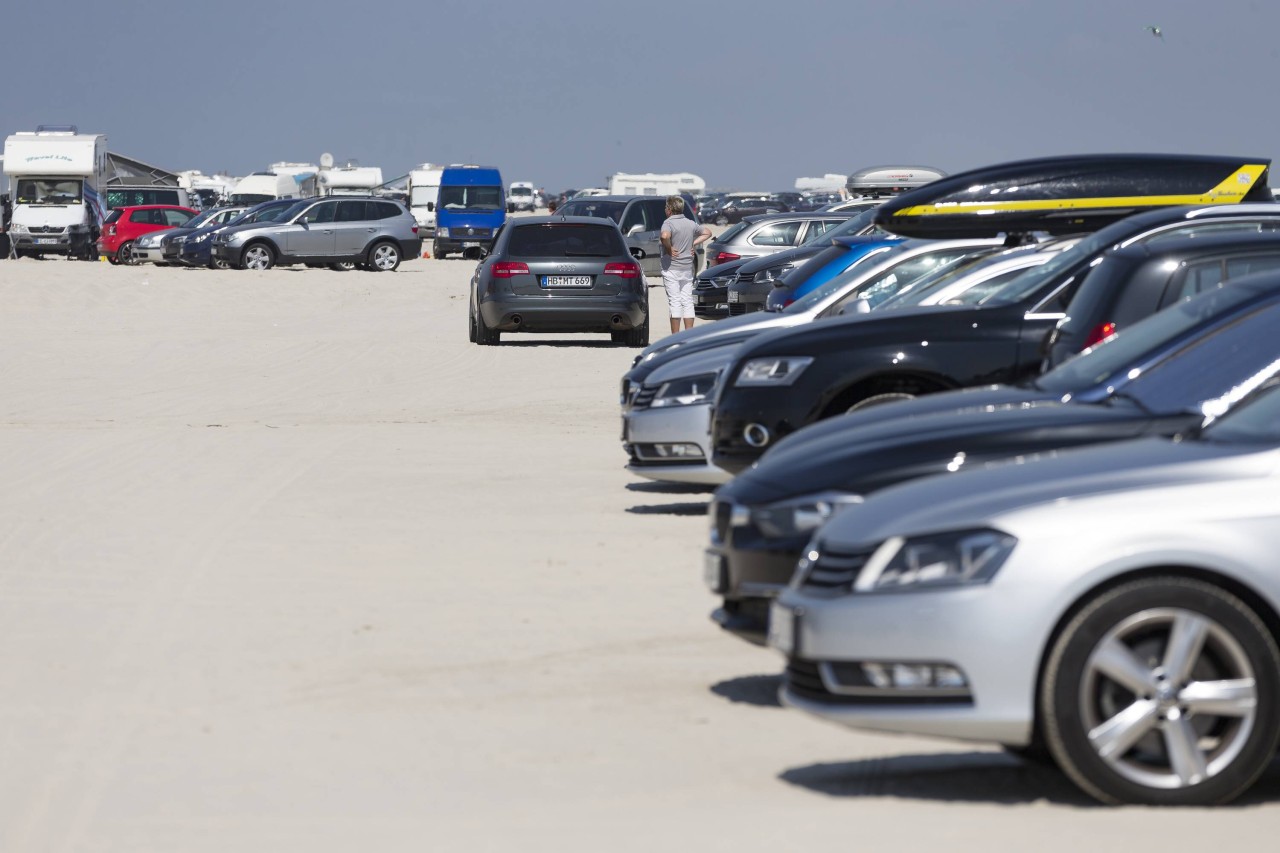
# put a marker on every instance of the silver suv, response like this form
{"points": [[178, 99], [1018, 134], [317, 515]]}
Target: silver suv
{"points": [[371, 233], [640, 219]]}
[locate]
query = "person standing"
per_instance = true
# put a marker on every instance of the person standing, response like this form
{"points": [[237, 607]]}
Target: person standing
{"points": [[680, 237]]}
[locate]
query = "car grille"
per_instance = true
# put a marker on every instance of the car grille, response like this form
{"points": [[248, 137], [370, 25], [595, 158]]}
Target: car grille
{"points": [[45, 229], [736, 308], [835, 570], [643, 398], [470, 232]]}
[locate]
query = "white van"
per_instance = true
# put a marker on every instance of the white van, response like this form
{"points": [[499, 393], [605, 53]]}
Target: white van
{"points": [[520, 196]]}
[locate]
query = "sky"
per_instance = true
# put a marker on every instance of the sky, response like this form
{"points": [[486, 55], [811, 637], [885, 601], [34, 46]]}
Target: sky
{"points": [[563, 93]]}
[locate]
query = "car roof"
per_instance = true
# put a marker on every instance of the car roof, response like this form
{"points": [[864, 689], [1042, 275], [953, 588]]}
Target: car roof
{"points": [[557, 219], [1193, 244], [800, 214]]}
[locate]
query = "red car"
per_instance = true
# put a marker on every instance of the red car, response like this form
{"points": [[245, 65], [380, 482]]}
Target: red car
{"points": [[124, 225]]}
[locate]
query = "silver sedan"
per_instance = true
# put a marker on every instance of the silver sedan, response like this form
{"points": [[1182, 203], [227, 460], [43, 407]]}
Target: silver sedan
{"points": [[1118, 607]]}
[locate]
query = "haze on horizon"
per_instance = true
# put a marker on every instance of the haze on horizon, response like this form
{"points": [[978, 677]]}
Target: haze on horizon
{"points": [[566, 92]]}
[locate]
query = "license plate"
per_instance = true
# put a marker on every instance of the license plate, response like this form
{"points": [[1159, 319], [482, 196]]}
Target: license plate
{"points": [[46, 241], [784, 627], [713, 573], [471, 245], [733, 296], [566, 281]]}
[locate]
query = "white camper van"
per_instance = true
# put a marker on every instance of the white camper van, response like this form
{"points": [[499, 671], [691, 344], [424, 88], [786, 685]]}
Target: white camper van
{"points": [[349, 180], [424, 186], [520, 196], [56, 176], [654, 184], [283, 180]]}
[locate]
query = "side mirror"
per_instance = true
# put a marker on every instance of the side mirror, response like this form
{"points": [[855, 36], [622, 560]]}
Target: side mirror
{"points": [[635, 229], [637, 252], [431, 206]]}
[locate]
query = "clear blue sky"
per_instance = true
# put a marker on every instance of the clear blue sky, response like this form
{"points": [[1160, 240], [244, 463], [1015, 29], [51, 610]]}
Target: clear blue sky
{"points": [[565, 92]]}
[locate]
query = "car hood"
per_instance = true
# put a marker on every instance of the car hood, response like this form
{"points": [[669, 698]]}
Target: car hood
{"points": [[732, 330], [840, 332], [979, 498], [698, 361], [862, 459], [796, 256], [249, 226]]}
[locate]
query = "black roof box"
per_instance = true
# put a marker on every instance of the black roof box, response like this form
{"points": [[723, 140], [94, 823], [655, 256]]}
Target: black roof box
{"points": [[1066, 195]]}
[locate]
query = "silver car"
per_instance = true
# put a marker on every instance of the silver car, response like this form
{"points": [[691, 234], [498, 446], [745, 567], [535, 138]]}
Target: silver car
{"points": [[372, 233], [639, 218], [1118, 606], [757, 236]]}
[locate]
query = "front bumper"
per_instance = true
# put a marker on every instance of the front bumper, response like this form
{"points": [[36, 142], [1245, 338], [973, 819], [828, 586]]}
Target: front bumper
{"points": [[748, 569], [57, 243], [973, 629], [742, 407], [196, 254], [227, 252], [150, 254], [711, 303], [562, 313], [461, 244], [744, 298], [646, 431]]}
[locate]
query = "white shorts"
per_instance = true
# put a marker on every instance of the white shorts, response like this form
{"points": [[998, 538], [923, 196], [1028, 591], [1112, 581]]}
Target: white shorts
{"points": [[679, 285]]}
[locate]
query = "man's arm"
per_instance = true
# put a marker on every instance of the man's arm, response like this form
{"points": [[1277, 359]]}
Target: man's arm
{"points": [[665, 237], [703, 236]]}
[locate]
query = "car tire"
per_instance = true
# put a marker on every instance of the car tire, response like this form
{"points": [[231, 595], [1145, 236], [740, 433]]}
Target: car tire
{"points": [[218, 264], [124, 254], [637, 336], [342, 266], [879, 400], [437, 252], [114, 260], [485, 336], [257, 256], [1131, 719], [384, 257]]}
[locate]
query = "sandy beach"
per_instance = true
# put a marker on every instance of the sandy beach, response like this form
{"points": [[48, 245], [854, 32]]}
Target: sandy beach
{"points": [[286, 564]]}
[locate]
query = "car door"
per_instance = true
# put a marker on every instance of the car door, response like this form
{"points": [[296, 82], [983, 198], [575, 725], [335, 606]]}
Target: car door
{"points": [[311, 235], [353, 227], [644, 232]]}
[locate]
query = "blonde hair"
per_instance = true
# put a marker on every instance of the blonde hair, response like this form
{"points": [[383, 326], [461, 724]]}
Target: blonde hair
{"points": [[675, 204]]}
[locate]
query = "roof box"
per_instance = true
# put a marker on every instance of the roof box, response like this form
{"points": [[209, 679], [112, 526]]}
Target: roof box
{"points": [[1065, 195], [891, 179]]}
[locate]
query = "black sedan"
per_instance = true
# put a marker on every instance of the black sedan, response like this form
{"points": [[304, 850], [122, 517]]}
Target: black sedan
{"points": [[785, 380], [711, 290], [559, 274], [1159, 377]]}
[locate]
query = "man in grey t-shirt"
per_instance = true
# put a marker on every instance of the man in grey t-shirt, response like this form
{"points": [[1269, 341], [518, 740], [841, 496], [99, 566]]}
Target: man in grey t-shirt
{"points": [[680, 236]]}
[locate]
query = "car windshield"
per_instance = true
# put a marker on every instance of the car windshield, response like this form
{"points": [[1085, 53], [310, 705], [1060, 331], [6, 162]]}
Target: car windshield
{"points": [[1121, 352], [919, 291], [521, 191], [48, 191], [599, 209], [470, 198], [201, 218], [1256, 422], [850, 228], [284, 214], [565, 240], [819, 294]]}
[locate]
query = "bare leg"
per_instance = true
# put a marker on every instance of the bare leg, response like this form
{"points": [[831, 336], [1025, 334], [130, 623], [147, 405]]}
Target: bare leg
{"points": [[688, 322], [675, 325]]}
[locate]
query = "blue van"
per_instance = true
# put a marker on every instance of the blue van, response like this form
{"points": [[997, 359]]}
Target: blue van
{"points": [[470, 208]]}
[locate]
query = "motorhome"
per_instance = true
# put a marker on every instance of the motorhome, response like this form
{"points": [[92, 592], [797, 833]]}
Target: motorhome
{"points": [[56, 177], [349, 180], [283, 180], [520, 196], [206, 191], [424, 186], [654, 184]]}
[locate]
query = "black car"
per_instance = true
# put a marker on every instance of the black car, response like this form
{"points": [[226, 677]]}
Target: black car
{"points": [[711, 290], [787, 379], [1138, 280], [734, 209], [1160, 376], [559, 274], [196, 250]]}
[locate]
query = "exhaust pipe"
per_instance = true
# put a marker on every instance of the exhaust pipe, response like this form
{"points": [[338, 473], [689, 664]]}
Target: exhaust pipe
{"points": [[517, 319], [616, 319], [756, 435]]}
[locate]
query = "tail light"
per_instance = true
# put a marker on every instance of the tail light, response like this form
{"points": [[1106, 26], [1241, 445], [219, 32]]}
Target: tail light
{"points": [[630, 269], [111, 229], [506, 269], [414, 228], [724, 258], [1099, 334]]}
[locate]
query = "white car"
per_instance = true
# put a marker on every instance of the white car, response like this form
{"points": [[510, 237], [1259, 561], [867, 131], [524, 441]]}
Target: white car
{"points": [[1118, 606]]}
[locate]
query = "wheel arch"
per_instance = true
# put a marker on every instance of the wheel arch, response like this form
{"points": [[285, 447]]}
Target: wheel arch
{"points": [[1256, 601], [914, 382]]}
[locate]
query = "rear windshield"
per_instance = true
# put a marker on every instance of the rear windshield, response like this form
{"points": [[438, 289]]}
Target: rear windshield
{"points": [[112, 217], [731, 233], [568, 240], [587, 207], [1257, 422]]}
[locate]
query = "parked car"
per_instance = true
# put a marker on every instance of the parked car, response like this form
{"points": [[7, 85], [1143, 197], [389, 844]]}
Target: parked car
{"points": [[711, 289], [816, 200], [197, 249], [559, 274], [757, 236], [783, 382], [736, 209], [1158, 377], [161, 247], [666, 426], [1117, 606], [375, 234], [124, 225], [640, 219]]}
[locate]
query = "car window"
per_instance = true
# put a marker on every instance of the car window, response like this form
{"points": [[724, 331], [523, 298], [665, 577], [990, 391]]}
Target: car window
{"points": [[323, 212], [113, 216], [176, 218], [1226, 359], [556, 240], [587, 207], [633, 217], [1257, 422], [880, 287], [386, 210], [776, 234], [655, 213], [820, 226], [351, 211]]}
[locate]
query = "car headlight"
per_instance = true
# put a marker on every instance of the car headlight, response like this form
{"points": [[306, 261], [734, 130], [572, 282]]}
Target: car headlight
{"points": [[685, 392], [800, 516], [443, 232], [17, 228], [179, 240], [777, 370], [771, 275], [958, 558], [201, 238]]}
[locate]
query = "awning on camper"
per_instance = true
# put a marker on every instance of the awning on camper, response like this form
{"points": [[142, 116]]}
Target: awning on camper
{"points": [[124, 171]]}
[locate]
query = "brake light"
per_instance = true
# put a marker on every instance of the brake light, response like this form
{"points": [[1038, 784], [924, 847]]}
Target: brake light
{"points": [[506, 269], [111, 229], [1099, 334], [630, 269], [724, 258], [414, 228]]}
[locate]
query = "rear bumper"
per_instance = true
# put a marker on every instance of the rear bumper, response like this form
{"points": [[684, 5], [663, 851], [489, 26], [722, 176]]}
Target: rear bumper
{"points": [[561, 313]]}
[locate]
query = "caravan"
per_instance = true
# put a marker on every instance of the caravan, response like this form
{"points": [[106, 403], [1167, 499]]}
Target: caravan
{"points": [[56, 176], [283, 180], [424, 186]]}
